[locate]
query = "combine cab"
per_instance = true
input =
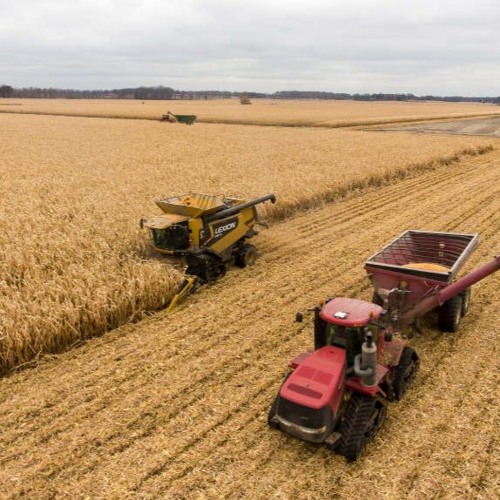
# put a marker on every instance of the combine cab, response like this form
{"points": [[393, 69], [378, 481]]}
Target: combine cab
{"points": [[207, 231]]}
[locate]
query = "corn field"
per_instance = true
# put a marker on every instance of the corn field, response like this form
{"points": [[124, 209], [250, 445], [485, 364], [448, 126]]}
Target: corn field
{"points": [[175, 405], [262, 111], [74, 260]]}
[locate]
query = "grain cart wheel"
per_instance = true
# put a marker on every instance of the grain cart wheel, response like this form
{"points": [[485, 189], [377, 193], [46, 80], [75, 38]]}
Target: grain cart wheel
{"points": [[465, 300], [247, 256], [450, 314], [405, 372], [363, 418]]}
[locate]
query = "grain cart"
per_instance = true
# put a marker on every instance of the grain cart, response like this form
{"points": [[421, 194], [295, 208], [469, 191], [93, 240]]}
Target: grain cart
{"points": [[338, 393], [171, 118], [419, 265], [207, 231]]}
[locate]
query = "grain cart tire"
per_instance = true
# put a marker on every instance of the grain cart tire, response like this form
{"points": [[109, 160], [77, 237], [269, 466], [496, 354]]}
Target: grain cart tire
{"points": [[450, 314], [465, 300], [246, 256], [405, 372], [363, 418]]}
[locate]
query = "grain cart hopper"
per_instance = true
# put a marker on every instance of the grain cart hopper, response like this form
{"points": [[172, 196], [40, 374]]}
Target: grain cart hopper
{"points": [[207, 231], [171, 118], [338, 393], [422, 265]]}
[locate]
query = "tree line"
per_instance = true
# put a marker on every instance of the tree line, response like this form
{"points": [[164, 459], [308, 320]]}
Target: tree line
{"points": [[167, 93]]}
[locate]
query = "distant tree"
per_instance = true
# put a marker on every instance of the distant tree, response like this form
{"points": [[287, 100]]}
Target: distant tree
{"points": [[6, 91], [160, 92]]}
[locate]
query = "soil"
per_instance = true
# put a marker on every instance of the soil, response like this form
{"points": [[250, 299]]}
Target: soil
{"points": [[477, 127]]}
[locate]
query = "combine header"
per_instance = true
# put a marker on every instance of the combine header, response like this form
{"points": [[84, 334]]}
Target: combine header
{"points": [[338, 393], [208, 232]]}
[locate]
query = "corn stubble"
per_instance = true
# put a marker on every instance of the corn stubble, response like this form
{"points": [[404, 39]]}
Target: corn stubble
{"points": [[73, 260]]}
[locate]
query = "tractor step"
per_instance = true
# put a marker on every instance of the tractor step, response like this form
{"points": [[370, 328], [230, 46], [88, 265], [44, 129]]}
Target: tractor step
{"points": [[333, 439]]}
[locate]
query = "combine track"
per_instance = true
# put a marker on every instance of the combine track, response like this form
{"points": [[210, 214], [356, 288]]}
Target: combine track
{"points": [[176, 406]]}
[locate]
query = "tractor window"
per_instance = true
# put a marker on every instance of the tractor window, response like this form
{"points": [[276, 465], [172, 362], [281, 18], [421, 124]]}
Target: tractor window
{"points": [[348, 338], [172, 238]]}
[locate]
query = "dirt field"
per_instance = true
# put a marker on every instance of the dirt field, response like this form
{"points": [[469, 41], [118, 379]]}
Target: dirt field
{"points": [[175, 406], [480, 127]]}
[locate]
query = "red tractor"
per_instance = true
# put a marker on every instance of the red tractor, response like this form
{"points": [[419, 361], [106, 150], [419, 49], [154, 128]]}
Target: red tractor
{"points": [[338, 393]]}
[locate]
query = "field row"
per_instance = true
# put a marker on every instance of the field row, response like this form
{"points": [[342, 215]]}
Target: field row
{"points": [[175, 406], [73, 260]]}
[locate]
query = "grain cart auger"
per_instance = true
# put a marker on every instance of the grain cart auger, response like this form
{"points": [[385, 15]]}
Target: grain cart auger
{"points": [[338, 393], [208, 232]]}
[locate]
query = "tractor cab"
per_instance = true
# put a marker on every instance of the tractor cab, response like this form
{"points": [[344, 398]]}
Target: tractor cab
{"points": [[343, 322], [312, 399]]}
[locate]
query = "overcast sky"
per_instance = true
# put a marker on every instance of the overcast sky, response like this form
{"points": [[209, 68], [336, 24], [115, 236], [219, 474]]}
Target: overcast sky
{"points": [[440, 47]]}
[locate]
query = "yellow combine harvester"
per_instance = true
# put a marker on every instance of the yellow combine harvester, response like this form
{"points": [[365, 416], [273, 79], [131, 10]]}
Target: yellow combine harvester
{"points": [[207, 231]]}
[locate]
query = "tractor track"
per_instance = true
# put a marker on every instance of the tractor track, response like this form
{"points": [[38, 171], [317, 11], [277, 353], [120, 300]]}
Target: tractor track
{"points": [[154, 408]]}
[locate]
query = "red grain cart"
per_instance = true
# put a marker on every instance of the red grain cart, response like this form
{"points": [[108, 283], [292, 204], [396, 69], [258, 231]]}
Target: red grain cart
{"points": [[416, 273], [416, 265], [338, 393]]}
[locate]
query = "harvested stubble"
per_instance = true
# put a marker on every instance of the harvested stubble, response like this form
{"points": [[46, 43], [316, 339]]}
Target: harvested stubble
{"points": [[175, 406], [74, 262], [262, 112]]}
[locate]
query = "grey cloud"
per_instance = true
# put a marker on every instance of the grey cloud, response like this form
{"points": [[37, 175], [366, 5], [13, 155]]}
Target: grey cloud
{"points": [[423, 47]]}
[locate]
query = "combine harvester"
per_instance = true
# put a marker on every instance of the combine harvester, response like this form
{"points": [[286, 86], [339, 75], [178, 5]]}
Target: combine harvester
{"points": [[338, 393], [208, 232], [171, 118]]}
